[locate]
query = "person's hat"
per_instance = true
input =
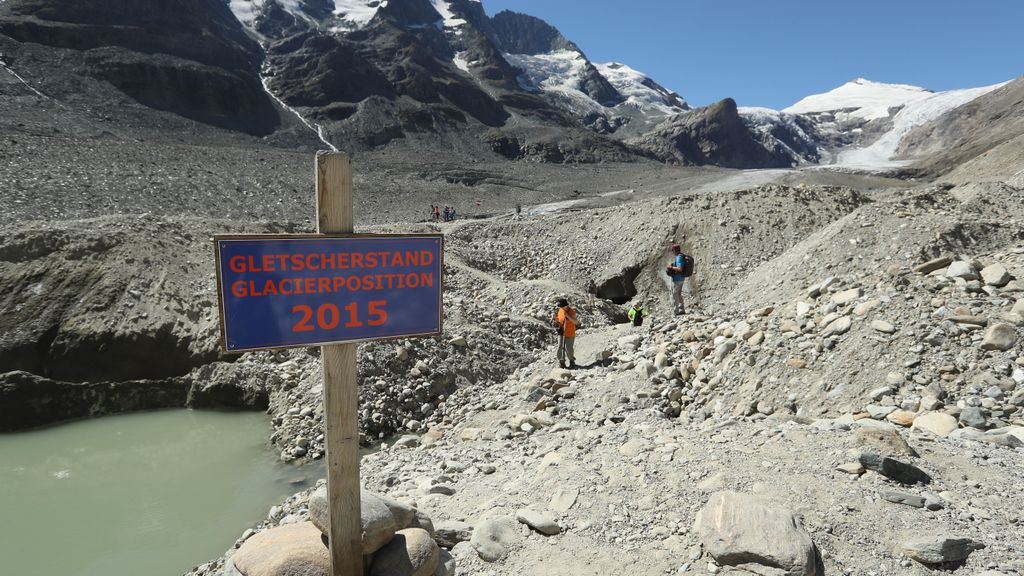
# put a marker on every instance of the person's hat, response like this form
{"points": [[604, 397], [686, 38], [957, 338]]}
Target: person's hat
{"points": [[677, 247], [562, 302]]}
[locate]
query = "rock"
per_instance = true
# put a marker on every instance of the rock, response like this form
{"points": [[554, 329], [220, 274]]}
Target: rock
{"points": [[838, 326], [901, 418], [540, 521], [458, 342], [724, 349], [563, 499], [492, 538], [937, 423], [995, 275], [631, 342], [1000, 336], [402, 512], [846, 296], [973, 417], [1018, 308], [902, 498], [445, 564], [877, 412], [743, 530], [378, 523], [290, 550], [451, 532], [796, 363], [961, 269], [879, 393], [894, 469], [933, 265], [421, 520], [884, 441], [802, 308], [866, 306], [851, 468], [883, 326], [940, 549], [412, 552]]}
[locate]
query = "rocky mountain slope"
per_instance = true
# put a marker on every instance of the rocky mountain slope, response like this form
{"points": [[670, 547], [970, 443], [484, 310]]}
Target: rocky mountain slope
{"points": [[982, 138]]}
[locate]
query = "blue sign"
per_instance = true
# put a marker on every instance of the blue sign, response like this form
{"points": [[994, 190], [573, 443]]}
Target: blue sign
{"points": [[296, 290]]}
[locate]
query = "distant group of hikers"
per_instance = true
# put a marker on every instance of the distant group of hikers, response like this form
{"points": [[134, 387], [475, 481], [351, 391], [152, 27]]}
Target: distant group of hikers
{"points": [[565, 321], [436, 213]]}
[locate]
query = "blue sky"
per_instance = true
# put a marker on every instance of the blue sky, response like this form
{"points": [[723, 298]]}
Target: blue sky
{"points": [[774, 52]]}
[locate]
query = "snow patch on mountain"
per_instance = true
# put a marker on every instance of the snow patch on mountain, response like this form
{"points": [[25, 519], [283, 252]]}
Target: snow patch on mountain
{"points": [[461, 62], [246, 10], [557, 73], [444, 8], [860, 99], [879, 154], [354, 14], [640, 90]]}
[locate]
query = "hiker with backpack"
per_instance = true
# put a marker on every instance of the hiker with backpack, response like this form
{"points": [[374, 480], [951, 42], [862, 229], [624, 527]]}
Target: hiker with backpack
{"points": [[680, 269], [637, 313], [565, 321]]}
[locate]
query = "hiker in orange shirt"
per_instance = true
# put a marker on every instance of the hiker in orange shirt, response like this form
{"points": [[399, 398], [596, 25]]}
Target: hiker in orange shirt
{"points": [[565, 320]]}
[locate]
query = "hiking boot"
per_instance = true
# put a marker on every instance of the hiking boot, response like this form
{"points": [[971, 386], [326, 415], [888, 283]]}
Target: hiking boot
{"points": [[573, 366], [561, 365]]}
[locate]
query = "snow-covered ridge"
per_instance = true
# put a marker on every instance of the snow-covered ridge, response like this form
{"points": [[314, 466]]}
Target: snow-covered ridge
{"points": [[637, 88], [861, 99]]}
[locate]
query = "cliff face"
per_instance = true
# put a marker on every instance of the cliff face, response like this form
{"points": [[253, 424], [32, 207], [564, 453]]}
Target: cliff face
{"points": [[189, 57]]}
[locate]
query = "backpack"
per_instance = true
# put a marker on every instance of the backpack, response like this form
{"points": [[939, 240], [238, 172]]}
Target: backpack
{"points": [[688, 265], [638, 317]]}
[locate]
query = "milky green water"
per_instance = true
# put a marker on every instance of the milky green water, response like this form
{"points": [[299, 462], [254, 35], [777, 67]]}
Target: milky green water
{"points": [[149, 493]]}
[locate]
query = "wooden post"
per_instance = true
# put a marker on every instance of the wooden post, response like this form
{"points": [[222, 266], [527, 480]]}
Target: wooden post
{"points": [[341, 398]]}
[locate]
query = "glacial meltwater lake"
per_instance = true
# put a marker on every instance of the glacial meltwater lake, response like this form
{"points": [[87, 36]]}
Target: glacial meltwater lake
{"points": [[147, 493]]}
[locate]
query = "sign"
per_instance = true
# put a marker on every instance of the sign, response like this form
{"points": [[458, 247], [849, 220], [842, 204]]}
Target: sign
{"points": [[312, 290]]}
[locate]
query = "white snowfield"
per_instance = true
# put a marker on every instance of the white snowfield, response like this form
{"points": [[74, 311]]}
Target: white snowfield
{"points": [[861, 99], [633, 85], [354, 14], [444, 8], [350, 14], [879, 154], [557, 72], [561, 72]]}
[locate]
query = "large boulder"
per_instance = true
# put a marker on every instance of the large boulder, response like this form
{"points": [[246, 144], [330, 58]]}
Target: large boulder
{"points": [[290, 550], [412, 552], [744, 531], [378, 522]]}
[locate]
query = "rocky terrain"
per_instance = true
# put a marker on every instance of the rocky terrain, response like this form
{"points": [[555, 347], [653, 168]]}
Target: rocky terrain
{"points": [[897, 357]]}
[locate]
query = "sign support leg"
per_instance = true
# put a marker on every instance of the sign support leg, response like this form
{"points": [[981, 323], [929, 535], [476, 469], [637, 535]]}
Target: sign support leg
{"points": [[341, 398]]}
